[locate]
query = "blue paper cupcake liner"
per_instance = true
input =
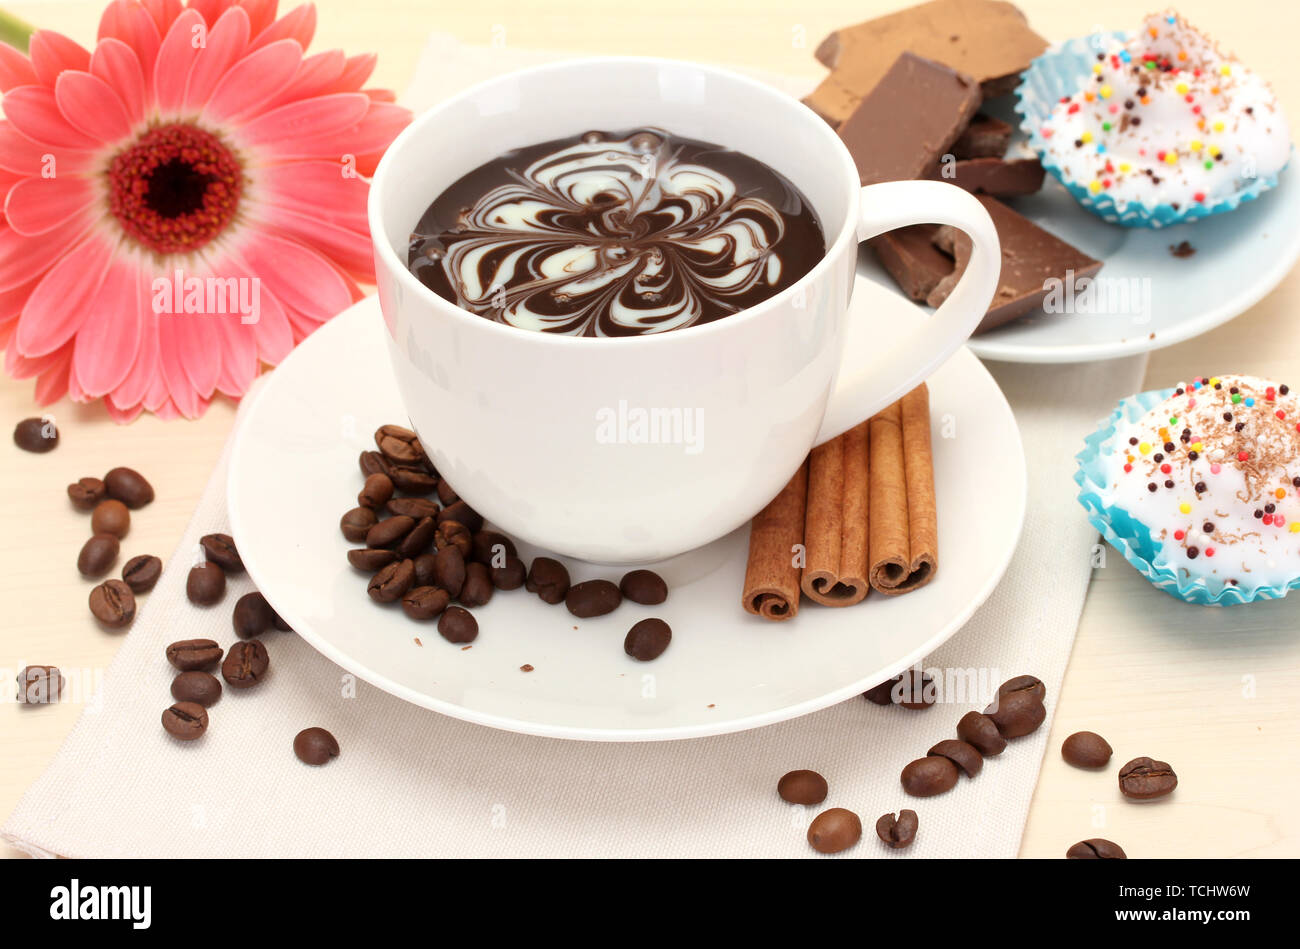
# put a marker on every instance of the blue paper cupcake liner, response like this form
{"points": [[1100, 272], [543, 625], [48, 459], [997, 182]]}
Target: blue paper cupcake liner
{"points": [[1061, 72], [1130, 536]]}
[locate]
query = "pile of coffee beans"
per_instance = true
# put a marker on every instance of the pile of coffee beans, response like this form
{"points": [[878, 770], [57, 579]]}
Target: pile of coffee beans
{"points": [[110, 501], [427, 550], [838, 828], [37, 435]]}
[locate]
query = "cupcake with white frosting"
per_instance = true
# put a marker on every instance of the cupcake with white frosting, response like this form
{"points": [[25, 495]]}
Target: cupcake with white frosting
{"points": [[1199, 487], [1154, 128]]}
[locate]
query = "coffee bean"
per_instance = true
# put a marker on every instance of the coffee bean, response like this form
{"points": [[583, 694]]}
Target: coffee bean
{"points": [[245, 664], [399, 445], [643, 586], [412, 481], [252, 616], [1096, 848], [1024, 683], [371, 561], [418, 508], [647, 639], [36, 435], [221, 550], [446, 493], [185, 720], [421, 603], [389, 533], [190, 654], [1017, 713], [424, 570], [912, 690], [372, 462], [113, 604], [39, 685], [802, 787], [449, 570], [391, 583], [478, 589], [834, 830], [1143, 779], [86, 493], [1086, 750], [457, 625], [492, 548], [376, 492], [592, 598], [205, 584], [963, 754], [549, 579], [928, 776], [454, 534], [141, 573], [511, 576], [129, 487], [97, 555], [419, 539], [356, 523], [111, 517], [979, 730], [201, 688], [315, 746], [897, 832], [462, 513]]}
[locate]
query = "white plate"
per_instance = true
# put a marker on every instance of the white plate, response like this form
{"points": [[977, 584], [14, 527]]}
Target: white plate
{"points": [[294, 472], [1240, 257]]}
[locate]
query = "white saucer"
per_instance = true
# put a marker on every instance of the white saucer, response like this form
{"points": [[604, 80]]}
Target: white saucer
{"points": [[294, 472]]}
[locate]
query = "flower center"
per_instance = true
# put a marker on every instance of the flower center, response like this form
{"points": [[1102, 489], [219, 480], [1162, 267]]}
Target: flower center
{"points": [[175, 189]]}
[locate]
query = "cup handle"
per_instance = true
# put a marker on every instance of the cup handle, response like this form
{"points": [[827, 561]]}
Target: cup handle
{"points": [[866, 382]]}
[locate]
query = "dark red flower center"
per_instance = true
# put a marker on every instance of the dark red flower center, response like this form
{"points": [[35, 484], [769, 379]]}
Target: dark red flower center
{"points": [[176, 188]]}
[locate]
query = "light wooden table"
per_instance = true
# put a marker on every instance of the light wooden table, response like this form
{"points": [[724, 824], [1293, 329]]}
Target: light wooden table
{"points": [[1212, 691]]}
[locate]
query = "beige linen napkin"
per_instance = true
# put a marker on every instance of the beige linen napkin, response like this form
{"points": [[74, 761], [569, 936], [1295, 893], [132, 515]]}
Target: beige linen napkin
{"points": [[410, 782]]}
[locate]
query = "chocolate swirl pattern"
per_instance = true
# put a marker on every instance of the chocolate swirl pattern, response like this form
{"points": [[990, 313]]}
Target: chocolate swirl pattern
{"points": [[616, 235]]}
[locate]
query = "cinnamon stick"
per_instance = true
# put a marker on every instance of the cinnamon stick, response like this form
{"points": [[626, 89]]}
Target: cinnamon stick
{"points": [[772, 574], [903, 535], [835, 524]]}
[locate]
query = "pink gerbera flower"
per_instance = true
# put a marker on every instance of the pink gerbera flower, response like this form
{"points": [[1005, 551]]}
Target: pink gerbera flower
{"points": [[183, 204]]}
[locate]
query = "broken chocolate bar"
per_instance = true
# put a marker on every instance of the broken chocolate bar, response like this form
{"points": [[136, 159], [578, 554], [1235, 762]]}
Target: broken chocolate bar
{"points": [[1002, 179], [985, 137], [1031, 258], [987, 39], [912, 260], [911, 117]]}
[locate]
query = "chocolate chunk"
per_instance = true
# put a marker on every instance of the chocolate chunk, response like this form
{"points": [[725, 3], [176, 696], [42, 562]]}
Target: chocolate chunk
{"points": [[1031, 258], [1181, 249], [911, 118], [985, 137], [1003, 179], [912, 260], [989, 40]]}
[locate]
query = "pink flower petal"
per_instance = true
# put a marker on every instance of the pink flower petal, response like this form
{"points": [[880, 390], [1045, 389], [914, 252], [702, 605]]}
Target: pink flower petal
{"points": [[35, 113], [176, 334], [315, 119], [317, 76], [176, 56], [381, 95], [52, 53], [128, 21], [38, 205], [58, 305], [141, 375], [357, 71], [122, 415], [299, 25], [252, 81], [350, 249], [116, 63], [12, 300], [227, 41], [19, 366], [52, 384], [273, 334], [23, 259], [15, 69], [309, 186], [211, 9], [91, 106], [23, 158], [261, 13], [164, 13], [239, 362], [7, 328], [297, 276], [108, 342], [371, 135]]}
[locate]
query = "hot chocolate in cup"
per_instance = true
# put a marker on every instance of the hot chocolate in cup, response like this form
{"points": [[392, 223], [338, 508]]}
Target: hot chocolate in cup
{"points": [[637, 448]]}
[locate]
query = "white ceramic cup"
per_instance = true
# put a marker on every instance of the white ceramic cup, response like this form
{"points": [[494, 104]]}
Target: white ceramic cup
{"points": [[543, 434]]}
